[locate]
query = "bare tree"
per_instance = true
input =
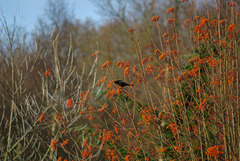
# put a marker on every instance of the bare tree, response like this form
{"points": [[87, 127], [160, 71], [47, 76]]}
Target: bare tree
{"points": [[57, 12], [114, 9]]}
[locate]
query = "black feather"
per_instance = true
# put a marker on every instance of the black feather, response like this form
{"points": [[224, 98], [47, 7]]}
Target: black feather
{"points": [[121, 83]]}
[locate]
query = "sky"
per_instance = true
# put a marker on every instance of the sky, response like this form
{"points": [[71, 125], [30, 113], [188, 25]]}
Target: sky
{"points": [[27, 11]]}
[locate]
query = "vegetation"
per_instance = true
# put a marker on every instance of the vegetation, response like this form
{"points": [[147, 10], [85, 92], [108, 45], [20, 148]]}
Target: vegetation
{"points": [[59, 101]]}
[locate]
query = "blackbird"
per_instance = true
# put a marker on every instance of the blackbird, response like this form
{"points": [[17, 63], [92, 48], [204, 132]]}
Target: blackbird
{"points": [[121, 83]]}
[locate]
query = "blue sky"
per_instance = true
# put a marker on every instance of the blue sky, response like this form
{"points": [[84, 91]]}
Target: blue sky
{"points": [[27, 11]]}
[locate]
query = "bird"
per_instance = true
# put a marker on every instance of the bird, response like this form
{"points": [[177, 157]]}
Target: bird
{"points": [[122, 83]]}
